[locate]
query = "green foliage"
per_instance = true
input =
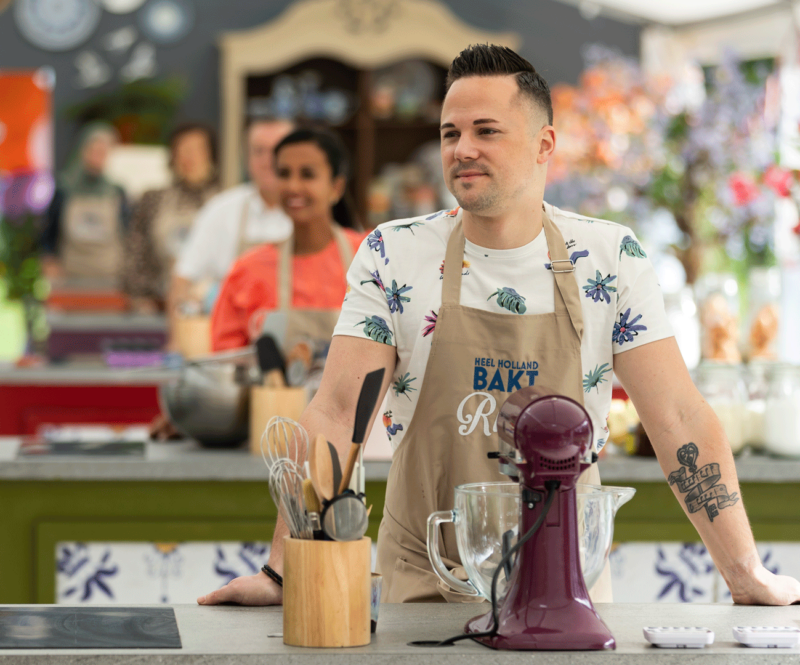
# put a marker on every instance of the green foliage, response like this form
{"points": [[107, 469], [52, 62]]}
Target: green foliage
{"points": [[19, 262], [142, 110]]}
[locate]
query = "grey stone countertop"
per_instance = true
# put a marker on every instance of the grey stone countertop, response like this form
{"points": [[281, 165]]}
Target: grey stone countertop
{"points": [[229, 634], [173, 460], [83, 374], [92, 321], [186, 460]]}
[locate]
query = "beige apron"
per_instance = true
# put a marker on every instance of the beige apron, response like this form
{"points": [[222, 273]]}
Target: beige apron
{"points": [[242, 243], [315, 324], [91, 237], [171, 227], [454, 425], [199, 290]]}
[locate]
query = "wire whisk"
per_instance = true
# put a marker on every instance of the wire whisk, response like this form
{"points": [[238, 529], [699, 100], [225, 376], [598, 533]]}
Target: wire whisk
{"points": [[285, 439], [286, 488]]}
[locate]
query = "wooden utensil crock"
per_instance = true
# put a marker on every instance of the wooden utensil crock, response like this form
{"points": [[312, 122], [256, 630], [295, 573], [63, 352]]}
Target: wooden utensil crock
{"points": [[326, 593], [192, 336], [265, 402]]}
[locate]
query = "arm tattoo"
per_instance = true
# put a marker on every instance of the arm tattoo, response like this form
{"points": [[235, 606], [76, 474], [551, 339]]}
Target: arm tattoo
{"points": [[704, 490]]}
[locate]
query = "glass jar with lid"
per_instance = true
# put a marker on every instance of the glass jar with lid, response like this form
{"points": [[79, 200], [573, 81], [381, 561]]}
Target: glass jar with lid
{"points": [[757, 379], [782, 411], [723, 387]]}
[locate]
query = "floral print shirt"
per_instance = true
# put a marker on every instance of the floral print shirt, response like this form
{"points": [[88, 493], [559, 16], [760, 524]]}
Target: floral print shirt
{"points": [[395, 292]]}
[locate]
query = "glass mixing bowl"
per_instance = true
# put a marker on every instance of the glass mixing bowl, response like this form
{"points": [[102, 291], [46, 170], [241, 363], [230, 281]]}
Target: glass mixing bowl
{"points": [[486, 513]]}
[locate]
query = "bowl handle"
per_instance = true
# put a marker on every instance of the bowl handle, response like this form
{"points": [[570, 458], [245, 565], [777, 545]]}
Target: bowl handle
{"points": [[443, 517]]}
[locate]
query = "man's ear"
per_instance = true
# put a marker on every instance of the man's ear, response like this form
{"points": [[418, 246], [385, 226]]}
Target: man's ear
{"points": [[547, 144]]}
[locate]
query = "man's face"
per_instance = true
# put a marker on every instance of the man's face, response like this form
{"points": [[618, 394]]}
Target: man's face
{"points": [[490, 143], [262, 137]]}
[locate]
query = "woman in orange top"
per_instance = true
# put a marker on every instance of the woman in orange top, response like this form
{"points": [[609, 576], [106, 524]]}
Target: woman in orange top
{"points": [[306, 276]]}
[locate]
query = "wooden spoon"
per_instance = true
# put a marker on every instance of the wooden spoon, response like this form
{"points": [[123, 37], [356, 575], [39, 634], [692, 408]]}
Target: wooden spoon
{"points": [[321, 468]]}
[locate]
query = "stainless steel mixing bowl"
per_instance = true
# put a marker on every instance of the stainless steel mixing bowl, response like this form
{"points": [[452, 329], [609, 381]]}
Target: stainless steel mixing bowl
{"points": [[208, 403]]}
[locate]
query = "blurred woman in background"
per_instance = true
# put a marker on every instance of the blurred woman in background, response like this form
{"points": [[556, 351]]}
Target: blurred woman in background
{"points": [[162, 218], [86, 220], [304, 277]]}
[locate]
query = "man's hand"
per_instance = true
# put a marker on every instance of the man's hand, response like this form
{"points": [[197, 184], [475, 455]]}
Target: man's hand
{"points": [[249, 590], [766, 588]]}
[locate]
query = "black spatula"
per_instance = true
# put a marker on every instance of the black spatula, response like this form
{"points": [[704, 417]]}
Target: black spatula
{"points": [[270, 358], [370, 390]]}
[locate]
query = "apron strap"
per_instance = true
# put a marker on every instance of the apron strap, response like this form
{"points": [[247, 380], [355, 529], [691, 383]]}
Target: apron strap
{"points": [[285, 265], [453, 258], [565, 289], [240, 242]]}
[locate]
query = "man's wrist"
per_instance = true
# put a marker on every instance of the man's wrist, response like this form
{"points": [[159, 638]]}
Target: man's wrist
{"points": [[742, 575]]}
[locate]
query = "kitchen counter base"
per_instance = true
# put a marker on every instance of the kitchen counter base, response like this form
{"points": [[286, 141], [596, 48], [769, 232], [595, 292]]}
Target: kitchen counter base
{"points": [[230, 634]]}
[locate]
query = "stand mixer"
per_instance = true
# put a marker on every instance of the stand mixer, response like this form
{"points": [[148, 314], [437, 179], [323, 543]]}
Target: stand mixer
{"points": [[547, 605]]}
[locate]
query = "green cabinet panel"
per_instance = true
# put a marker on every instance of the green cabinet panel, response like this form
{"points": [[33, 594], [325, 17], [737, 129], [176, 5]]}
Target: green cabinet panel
{"points": [[35, 515]]}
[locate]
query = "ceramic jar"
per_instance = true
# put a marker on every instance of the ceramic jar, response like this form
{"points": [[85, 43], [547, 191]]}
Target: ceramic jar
{"points": [[782, 412]]}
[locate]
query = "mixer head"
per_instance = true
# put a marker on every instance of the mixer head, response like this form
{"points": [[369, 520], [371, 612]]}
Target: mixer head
{"points": [[550, 434]]}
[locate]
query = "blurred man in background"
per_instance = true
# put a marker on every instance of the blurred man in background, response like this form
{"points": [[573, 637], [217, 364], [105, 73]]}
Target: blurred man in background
{"points": [[232, 222]]}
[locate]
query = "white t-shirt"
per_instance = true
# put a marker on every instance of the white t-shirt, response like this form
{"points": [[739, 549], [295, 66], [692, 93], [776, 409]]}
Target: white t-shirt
{"points": [[395, 292], [212, 244]]}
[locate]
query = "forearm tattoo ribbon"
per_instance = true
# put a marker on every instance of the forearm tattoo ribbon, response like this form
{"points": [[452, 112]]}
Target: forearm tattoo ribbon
{"points": [[701, 487]]}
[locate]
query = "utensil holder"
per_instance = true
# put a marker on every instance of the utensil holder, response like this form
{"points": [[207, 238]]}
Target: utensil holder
{"points": [[192, 336], [266, 402], [326, 593]]}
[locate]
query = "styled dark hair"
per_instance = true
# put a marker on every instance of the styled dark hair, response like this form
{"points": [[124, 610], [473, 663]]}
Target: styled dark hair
{"points": [[336, 154], [493, 60], [186, 128]]}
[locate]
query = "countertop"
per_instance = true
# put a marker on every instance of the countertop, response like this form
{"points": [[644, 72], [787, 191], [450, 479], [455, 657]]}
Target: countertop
{"points": [[83, 321], [82, 374], [230, 634], [173, 460], [186, 460]]}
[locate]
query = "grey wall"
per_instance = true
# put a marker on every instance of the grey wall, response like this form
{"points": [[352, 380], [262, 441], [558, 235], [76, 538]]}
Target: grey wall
{"points": [[552, 36]]}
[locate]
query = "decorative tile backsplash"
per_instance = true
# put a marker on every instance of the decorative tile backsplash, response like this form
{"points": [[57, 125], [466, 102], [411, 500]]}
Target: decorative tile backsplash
{"points": [[151, 573], [684, 572]]}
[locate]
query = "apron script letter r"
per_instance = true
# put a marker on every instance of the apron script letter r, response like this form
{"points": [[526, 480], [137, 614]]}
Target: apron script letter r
{"points": [[470, 422]]}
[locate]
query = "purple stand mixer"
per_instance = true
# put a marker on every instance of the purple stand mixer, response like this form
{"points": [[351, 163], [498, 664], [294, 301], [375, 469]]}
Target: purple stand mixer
{"points": [[547, 605]]}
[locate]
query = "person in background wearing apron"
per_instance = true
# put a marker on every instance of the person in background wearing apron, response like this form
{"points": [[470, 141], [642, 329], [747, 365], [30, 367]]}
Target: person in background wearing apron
{"points": [[162, 218], [232, 222], [465, 306], [304, 277], [86, 220]]}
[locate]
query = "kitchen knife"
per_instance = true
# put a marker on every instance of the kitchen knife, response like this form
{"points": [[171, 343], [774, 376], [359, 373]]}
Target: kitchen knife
{"points": [[370, 390]]}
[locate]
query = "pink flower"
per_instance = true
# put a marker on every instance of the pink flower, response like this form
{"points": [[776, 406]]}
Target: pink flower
{"points": [[743, 188], [778, 180]]}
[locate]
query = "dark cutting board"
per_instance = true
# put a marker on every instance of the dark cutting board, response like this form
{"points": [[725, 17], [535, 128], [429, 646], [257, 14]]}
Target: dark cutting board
{"points": [[89, 628]]}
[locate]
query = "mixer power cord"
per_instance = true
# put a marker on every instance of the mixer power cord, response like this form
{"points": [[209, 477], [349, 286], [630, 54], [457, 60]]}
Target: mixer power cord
{"points": [[551, 486]]}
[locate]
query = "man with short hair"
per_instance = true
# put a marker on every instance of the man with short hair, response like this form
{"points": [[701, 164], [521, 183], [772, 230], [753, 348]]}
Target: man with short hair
{"points": [[463, 307], [237, 219]]}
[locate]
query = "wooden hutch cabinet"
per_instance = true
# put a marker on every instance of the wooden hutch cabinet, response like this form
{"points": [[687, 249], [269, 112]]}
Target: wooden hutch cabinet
{"points": [[346, 43]]}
